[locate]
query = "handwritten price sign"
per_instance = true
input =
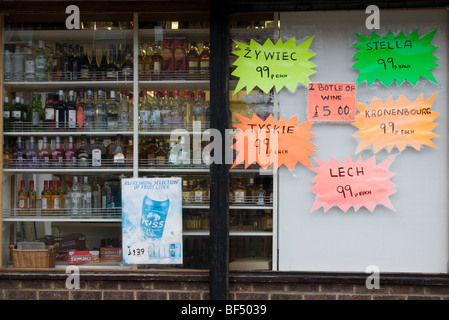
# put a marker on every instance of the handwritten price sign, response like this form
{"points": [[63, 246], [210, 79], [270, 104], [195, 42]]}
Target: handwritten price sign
{"points": [[331, 102], [352, 184]]}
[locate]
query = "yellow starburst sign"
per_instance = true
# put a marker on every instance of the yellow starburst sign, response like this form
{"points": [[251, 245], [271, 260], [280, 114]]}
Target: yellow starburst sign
{"points": [[401, 123], [273, 65]]}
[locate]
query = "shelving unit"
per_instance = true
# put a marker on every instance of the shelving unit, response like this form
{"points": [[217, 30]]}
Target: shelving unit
{"points": [[98, 219]]}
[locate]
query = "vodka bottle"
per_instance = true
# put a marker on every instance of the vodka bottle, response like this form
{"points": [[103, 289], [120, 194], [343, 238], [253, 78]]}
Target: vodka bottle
{"points": [[176, 110], [155, 121], [41, 62], [112, 113], [100, 111], [7, 66], [123, 117], [89, 111], [86, 197], [17, 64], [144, 112], [29, 63], [75, 192], [165, 109], [71, 112]]}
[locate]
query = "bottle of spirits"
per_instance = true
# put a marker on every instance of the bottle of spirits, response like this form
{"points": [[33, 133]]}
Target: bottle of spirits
{"points": [[199, 108], [50, 113], [45, 198], [44, 154], [267, 221], [199, 192], [86, 197], [96, 197], [8, 152], [100, 111], [60, 112], [7, 66], [187, 109], [239, 192], [150, 153], [41, 61], [103, 65], [124, 112], [176, 110], [186, 192], [193, 61], [75, 193], [165, 110], [82, 157], [31, 154], [35, 113], [22, 196], [127, 66], [6, 114], [58, 154], [56, 199], [65, 63], [89, 111], [260, 194], [118, 155], [251, 191], [145, 112], [106, 197], [98, 153], [173, 155], [184, 152], [161, 155], [147, 63], [71, 112], [111, 68], [84, 66], [17, 63], [94, 68], [32, 196], [29, 63], [155, 117], [204, 60], [55, 67], [129, 154], [67, 202], [70, 154], [112, 112], [80, 114], [157, 62], [75, 62], [17, 115]]}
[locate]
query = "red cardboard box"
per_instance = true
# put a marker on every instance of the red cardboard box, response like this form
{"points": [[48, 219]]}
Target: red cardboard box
{"points": [[81, 257]]}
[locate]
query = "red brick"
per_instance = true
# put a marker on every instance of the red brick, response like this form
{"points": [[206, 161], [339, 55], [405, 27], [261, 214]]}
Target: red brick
{"points": [[21, 295], [85, 295], [53, 295], [118, 295], [336, 287], [151, 295], [181, 295], [251, 296]]}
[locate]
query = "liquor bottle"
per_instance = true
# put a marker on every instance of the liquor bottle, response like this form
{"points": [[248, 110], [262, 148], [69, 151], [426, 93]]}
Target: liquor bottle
{"points": [[186, 192], [260, 194], [147, 63], [35, 113], [199, 192], [184, 152], [86, 197], [29, 63], [193, 61], [75, 193], [51, 190], [71, 116], [94, 68], [65, 63], [173, 155], [31, 154], [70, 154], [49, 113], [103, 65], [187, 106], [199, 108], [176, 110], [55, 198], [60, 112], [98, 153], [89, 111], [60, 190], [44, 154], [119, 61], [67, 199], [80, 115], [17, 115], [155, 117], [56, 64], [145, 112], [118, 155], [124, 112], [25, 114], [129, 153], [157, 62], [96, 196], [161, 155], [204, 60], [45, 197], [111, 68], [127, 67], [22, 196], [7, 66], [100, 111], [75, 62], [6, 114], [84, 65], [106, 196], [150, 153], [8, 152], [58, 154], [82, 157], [239, 192], [41, 61], [251, 190], [112, 112], [31, 196], [165, 109], [267, 221], [17, 63]]}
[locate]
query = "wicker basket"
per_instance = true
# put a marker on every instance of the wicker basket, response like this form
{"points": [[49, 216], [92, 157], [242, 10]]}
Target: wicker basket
{"points": [[34, 258]]}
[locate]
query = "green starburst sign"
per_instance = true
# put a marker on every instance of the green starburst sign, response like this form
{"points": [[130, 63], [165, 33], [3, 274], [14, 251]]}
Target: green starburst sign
{"points": [[393, 58], [273, 65]]}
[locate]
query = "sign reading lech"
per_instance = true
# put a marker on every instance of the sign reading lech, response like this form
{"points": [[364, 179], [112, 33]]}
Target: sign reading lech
{"points": [[152, 221]]}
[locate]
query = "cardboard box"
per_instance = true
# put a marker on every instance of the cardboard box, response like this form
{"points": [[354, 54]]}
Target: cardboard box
{"points": [[179, 54], [167, 55], [111, 254], [67, 243], [82, 257]]}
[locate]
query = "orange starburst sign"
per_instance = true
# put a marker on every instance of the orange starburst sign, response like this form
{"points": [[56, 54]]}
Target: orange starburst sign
{"points": [[272, 142], [388, 124]]}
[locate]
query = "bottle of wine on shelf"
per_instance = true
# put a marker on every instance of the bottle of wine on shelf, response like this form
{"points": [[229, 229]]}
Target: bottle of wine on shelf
{"points": [[71, 115], [84, 65], [60, 112], [50, 112], [94, 68], [111, 68], [31, 196], [193, 61], [41, 61], [80, 114], [22, 196]]}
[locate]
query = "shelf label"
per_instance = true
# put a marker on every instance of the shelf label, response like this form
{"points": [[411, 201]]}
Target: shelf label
{"points": [[357, 184], [392, 58], [331, 102], [152, 220], [273, 65], [272, 142], [388, 124]]}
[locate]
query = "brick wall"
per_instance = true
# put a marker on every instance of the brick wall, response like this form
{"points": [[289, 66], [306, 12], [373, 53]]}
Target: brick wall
{"points": [[194, 285]]}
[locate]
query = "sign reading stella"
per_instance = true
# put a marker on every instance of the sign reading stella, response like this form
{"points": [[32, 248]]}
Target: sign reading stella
{"points": [[273, 65]]}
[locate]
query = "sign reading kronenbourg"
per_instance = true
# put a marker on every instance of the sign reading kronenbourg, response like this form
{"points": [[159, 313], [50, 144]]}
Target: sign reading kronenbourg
{"points": [[152, 220]]}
